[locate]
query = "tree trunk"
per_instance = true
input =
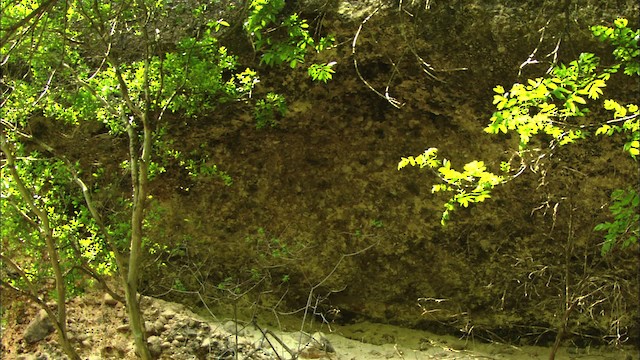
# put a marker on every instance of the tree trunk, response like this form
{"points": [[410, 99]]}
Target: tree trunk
{"points": [[139, 179], [562, 330], [136, 323], [136, 320], [61, 321]]}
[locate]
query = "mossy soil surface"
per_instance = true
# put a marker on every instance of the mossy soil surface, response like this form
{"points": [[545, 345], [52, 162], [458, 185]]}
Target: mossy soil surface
{"points": [[318, 216]]}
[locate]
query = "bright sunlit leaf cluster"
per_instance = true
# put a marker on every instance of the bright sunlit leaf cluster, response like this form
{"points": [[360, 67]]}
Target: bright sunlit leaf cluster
{"points": [[471, 185], [557, 105]]}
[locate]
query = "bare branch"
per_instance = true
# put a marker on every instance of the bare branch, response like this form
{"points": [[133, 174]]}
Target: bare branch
{"points": [[21, 212], [531, 59], [317, 285], [392, 101], [32, 291]]}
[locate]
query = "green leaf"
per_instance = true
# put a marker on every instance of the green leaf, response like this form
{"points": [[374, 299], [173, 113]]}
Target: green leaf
{"points": [[621, 22], [594, 89], [464, 201], [601, 227], [634, 150], [603, 129], [578, 99], [403, 162]]}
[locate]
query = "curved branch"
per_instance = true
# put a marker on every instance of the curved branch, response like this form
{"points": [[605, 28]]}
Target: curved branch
{"points": [[96, 216], [22, 189], [32, 291], [392, 101], [85, 268], [24, 215], [37, 13]]}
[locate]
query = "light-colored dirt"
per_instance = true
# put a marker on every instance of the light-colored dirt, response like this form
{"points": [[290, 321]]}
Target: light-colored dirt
{"points": [[98, 329]]}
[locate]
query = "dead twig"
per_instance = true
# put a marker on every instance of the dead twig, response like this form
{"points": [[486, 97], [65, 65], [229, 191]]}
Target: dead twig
{"points": [[396, 103]]}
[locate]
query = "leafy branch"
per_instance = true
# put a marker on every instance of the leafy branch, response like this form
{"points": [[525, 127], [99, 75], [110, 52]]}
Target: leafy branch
{"points": [[266, 23], [624, 209], [471, 185], [556, 105]]}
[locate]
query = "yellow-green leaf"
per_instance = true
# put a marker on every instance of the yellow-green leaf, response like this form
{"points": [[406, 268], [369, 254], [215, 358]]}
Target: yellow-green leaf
{"points": [[634, 149], [578, 99], [474, 167], [620, 112], [403, 162], [603, 129], [545, 107], [621, 22], [594, 89], [610, 104]]}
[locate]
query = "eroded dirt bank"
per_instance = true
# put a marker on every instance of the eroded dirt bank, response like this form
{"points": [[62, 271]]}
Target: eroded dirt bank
{"points": [[317, 203], [318, 215]]}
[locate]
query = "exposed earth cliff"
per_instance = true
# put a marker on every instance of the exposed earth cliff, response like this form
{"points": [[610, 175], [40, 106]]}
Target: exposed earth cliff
{"points": [[317, 205], [319, 217]]}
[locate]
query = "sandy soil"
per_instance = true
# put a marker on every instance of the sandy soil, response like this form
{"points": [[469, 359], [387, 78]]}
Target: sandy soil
{"points": [[98, 328]]}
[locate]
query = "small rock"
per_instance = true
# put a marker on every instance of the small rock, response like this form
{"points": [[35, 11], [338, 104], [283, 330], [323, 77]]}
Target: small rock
{"points": [[155, 345], [313, 353], [318, 347], [107, 299], [205, 343], [158, 326], [149, 328], [165, 345], [38, 328], [190, 333], [169, 313], [151, 312], [231, 327], [122, 328], [322, 342], [111, 352], [179, 337]]}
